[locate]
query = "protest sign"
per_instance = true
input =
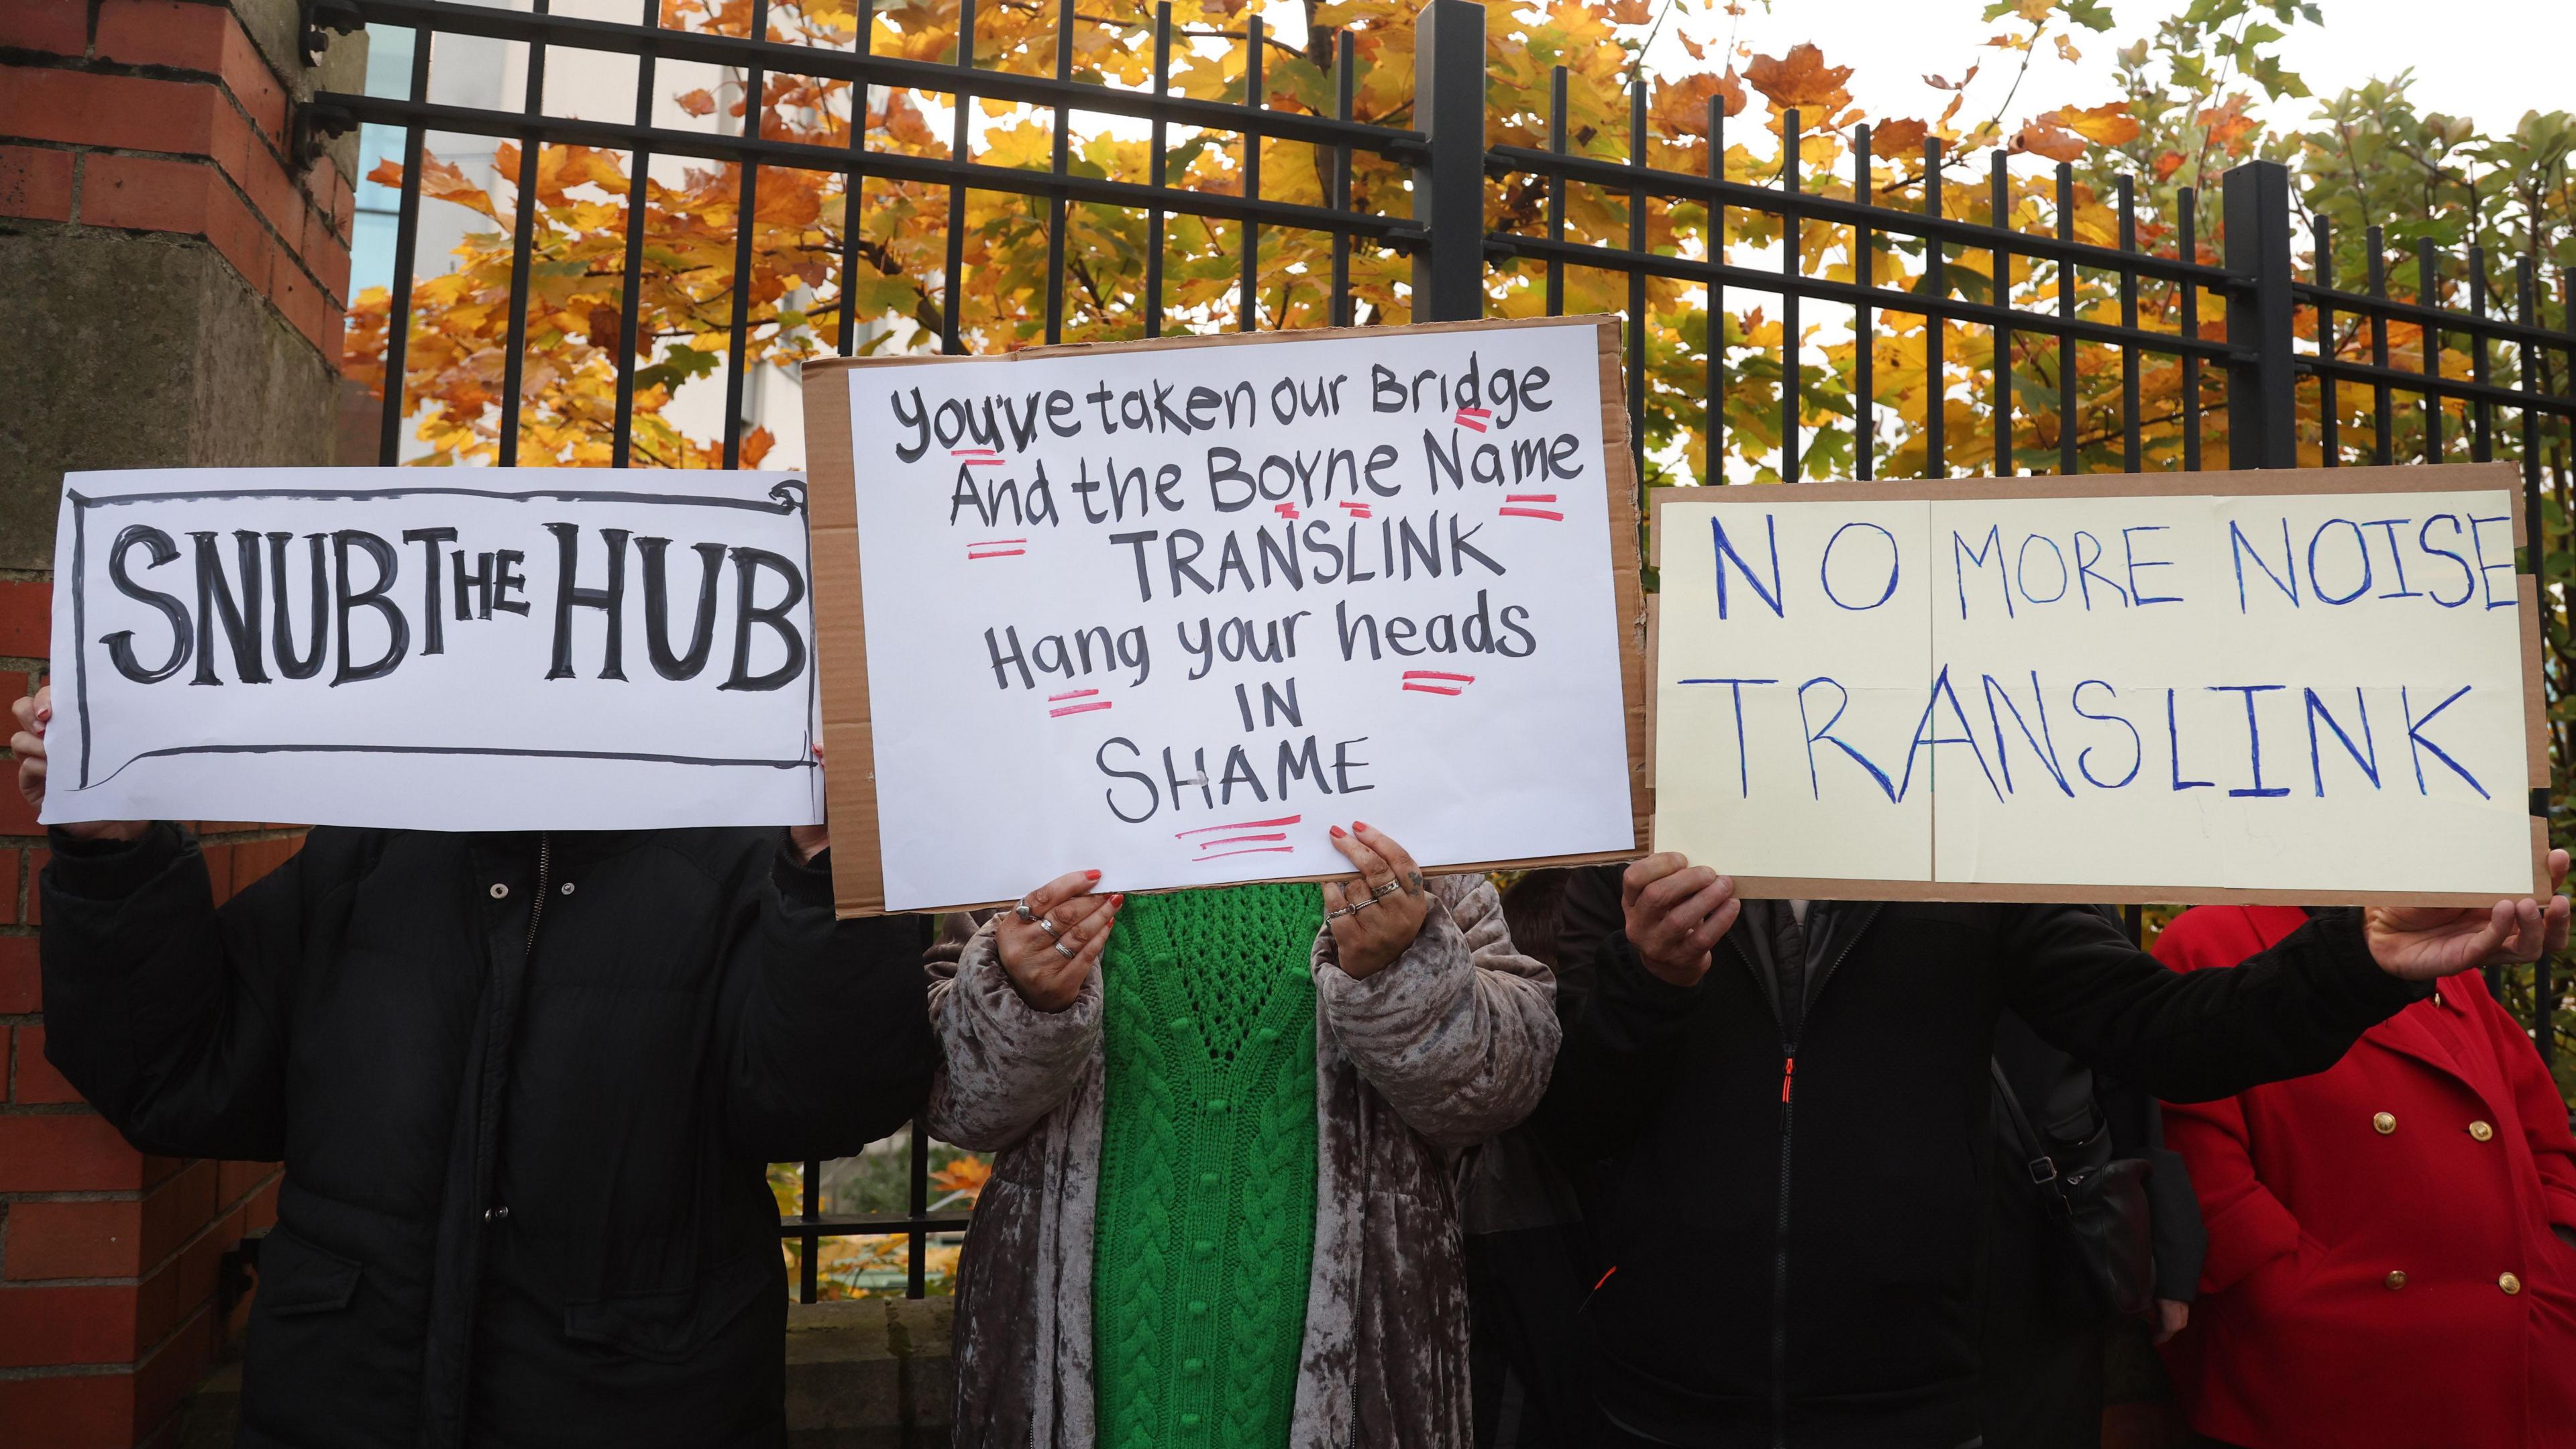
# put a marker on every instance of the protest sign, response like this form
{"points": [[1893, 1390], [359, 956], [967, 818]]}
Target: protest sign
{"points": [[2296, 686], [1171, 610], [506, 649]]}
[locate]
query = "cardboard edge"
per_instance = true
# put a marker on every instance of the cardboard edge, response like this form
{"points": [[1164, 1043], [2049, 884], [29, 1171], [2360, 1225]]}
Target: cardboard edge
{"points": [[2248, 483], [841, 647], [2018, 893], [1628, 583]]}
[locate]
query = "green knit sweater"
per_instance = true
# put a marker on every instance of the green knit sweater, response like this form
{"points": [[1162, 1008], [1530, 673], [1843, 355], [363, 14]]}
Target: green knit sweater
{"points": [[1206, 1214]]}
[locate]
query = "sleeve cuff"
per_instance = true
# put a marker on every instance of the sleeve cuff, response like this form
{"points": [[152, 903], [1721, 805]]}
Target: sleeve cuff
{"points": [[108, 870], [805, 883], [2354, 975], [1625, 974]]}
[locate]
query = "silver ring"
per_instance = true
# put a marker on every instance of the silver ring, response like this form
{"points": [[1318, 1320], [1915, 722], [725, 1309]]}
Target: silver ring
{"points": [[1382, 892], [1047, 924], [1025, 913], [1354, 908], [1067, 952]]}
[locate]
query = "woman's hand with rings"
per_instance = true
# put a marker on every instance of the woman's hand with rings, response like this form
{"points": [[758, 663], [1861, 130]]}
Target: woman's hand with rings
{"points": [[1052, 938], [1374, 918]]}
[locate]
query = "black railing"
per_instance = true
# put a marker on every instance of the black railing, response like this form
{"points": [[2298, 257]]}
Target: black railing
{"points": [[2253, 374]]}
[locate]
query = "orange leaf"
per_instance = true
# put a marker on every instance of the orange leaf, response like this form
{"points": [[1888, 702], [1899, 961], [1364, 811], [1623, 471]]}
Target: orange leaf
{"points": [[1629, 12], [697, 103], [388, 172], [2105, 125], [1801, 79], [1681, 107], [1898, 138], [755, 446], [2040, 139]]}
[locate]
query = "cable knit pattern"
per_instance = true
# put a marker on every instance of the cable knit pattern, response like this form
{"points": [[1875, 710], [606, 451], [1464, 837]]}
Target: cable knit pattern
{"points": [[1206, 1203], [1448, 1045]]}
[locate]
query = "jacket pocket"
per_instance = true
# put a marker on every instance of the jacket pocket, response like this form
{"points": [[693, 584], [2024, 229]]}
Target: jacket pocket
{"points": [[295, 1276], [669, 1327]]}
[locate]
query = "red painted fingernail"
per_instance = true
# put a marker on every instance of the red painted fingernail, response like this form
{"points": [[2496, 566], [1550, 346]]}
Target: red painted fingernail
{"points": [[1359, 825], [1091, 875], [1337, 832]]}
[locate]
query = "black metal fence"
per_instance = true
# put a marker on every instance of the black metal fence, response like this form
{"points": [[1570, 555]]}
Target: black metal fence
{"points": [[2253, 371]]}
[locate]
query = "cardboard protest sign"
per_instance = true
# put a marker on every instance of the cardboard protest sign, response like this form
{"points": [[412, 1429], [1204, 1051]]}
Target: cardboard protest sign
{"points": [[456, 650], [1170, 610], [2298, 686]]}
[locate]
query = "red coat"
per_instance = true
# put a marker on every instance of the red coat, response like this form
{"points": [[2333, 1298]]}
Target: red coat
{"points": [[2366, 1224]]}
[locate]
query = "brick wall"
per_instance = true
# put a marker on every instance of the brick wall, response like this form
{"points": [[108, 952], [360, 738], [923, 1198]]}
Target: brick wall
{"points": [[193, 276]]}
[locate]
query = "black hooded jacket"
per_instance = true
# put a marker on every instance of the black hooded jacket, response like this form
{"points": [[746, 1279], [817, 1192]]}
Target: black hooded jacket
{"points": [[1787, 1169], [524, 1087]]}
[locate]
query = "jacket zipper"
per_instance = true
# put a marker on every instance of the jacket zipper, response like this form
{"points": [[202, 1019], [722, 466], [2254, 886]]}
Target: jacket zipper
{"points": [[537, 907], [1780, 1225]]}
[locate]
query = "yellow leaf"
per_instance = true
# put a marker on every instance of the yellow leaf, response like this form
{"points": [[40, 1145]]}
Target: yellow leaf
{"points": [[2104, 125]]}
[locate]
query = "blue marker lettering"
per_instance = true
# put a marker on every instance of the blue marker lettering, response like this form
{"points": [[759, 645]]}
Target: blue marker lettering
{"points": [[2360, 546], [2287, 581], [2396, 557], [2129, 548], [1735, 687], [2485, 569], [2367, 757], [2085, 577], [1994, 542], [1967, 735], [1828, 736], [2468, 576], [2173, 737], [2021, 569], [2137, 744], [2416, 744], [1824, 568], [2040, 744], [2253, 740]]}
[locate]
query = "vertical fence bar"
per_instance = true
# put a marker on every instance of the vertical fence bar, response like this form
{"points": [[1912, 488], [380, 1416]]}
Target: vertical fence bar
{"points": [[2321, 266], [406, 241], [1999, 207], [630, 300], [2069, 462], [1059, 157], [2527, 312], [809, 1273], [1161, 153], [2130, 461], [1636, 294], [1792, 263], [738, 342], [1864, 342], [1343, 67], [1936, 283], [2481, 412], [2428, 295], [523, 235], [1449, 180], [2189, 251], [2262, 411], [853, 181], [1247, 311], [2383, 401], [916, 1270], [950, 301], [1716, 428], [1556, 191]]}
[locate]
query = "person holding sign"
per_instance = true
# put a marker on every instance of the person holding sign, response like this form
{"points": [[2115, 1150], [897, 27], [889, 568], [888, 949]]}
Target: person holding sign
{"points": [[1223, 1211], [2413, 1207], [1783, 1108], [525, 1086]]}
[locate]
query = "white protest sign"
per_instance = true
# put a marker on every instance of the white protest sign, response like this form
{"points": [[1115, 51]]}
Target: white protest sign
{"points": [[460, 649], [2299, 686], [1172, 612]]}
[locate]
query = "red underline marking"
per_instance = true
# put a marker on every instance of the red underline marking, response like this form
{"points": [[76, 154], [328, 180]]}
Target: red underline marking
{"points": [[1072, 694], [1531, 498], [1437, 674], [994, 542], [1080, 708], [1238, 839], [1238, 825], [973, 453], [997, 553], [1533, 513], [1286, 510], [1432, 688], [1253, 850]]}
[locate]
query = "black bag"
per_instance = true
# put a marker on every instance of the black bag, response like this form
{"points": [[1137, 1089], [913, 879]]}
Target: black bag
{"points": [[2101, 1202]]}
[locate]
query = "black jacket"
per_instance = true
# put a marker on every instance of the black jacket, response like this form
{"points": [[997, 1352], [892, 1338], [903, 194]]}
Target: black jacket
{"points": [[1794, 1250], [524, 1088]]}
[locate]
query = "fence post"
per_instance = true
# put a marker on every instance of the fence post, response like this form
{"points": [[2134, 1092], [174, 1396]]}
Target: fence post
{"points": [[1449, 176], [2262, 397]]}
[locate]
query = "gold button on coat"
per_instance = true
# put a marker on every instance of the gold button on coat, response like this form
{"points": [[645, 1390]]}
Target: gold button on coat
{"points": [[2510, 1284], [2396, 1280], [2384, 1123], [2481, 1131]]}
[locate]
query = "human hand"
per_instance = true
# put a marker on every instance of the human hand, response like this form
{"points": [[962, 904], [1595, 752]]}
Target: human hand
{"points": [[2172, 1316], [1050, 940], [1377, 916], [2425, 943], [811, 840], [28, 744], [1677, 912]]}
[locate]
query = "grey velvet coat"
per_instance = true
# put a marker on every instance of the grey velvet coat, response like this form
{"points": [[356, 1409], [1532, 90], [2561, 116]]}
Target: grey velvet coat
{"points": [[1447, 1045]]}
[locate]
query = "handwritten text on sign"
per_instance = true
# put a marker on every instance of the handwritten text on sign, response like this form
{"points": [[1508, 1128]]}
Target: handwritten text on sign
{"points": [[2286, 691], [1171, 614], [495, 649]]}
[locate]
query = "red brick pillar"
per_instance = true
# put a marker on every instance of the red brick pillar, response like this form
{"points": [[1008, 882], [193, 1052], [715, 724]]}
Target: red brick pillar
{"points": [[175, 282]]}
